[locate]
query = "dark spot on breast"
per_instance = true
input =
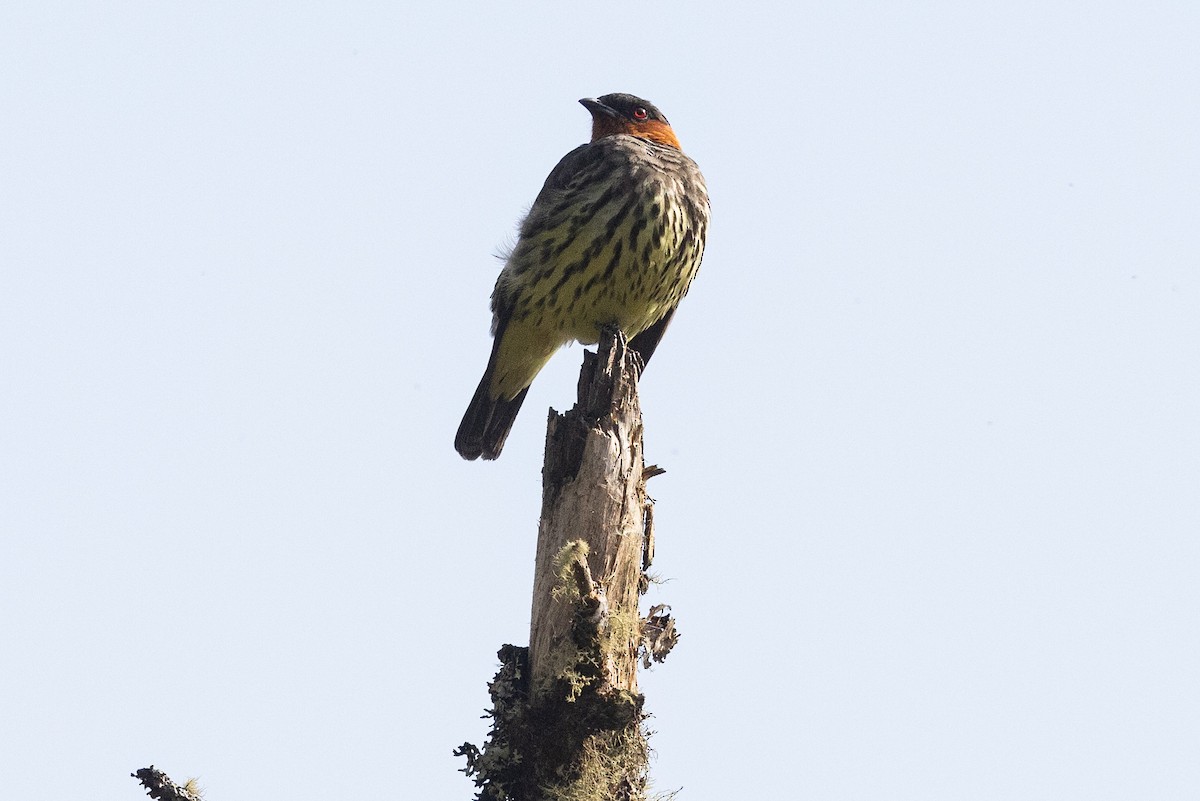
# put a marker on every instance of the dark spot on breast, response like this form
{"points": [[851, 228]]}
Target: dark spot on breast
{"points": [[635, 230]]}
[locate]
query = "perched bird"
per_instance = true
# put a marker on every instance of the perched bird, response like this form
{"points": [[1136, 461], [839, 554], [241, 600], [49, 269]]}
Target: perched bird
{"points": [[614, 238]]}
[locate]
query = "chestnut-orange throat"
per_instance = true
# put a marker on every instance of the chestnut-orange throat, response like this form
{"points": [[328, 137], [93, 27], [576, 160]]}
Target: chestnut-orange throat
{"points": [[653, 130], [656, 131]]}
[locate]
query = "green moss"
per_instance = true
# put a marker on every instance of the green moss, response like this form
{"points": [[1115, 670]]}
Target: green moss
{"points": [[612, 765], [575, 737]]}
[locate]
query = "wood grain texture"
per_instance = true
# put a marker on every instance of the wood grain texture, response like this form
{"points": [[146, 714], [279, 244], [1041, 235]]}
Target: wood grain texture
{"points": [[593, 493]]}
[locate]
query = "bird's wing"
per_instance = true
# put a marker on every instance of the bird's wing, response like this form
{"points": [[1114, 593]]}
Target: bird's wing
{"points": [[567, 174], [646, 342], [575, 172]]}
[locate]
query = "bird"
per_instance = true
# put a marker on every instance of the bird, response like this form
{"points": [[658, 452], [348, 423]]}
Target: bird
{"points": [[613, 239]]}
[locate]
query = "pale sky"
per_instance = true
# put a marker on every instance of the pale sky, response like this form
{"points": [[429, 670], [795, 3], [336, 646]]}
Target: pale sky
{"points": [[931, 520]]}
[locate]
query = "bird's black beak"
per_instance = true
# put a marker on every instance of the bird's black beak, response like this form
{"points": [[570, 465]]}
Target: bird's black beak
{"points": [[596, 107]]}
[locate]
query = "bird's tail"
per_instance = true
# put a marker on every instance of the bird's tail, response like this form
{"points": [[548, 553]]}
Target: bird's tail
{"points": [[488, 420]]}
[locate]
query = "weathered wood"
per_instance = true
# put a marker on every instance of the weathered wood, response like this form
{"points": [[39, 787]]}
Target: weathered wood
{"points": [[567, 715], [592, 493]]}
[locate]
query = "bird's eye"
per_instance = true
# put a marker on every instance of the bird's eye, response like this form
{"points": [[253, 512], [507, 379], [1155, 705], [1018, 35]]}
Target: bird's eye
{"points": [[640, 113]]}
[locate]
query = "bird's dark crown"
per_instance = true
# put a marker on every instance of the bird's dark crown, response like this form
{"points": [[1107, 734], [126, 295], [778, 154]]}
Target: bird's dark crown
{"points": [[626, 105]]}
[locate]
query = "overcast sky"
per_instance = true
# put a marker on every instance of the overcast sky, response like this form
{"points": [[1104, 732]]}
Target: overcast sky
{"points": [[929, 414]]}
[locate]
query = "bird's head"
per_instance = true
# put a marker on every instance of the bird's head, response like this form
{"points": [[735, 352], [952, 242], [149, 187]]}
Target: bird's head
{"points": [[625, 114]]}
